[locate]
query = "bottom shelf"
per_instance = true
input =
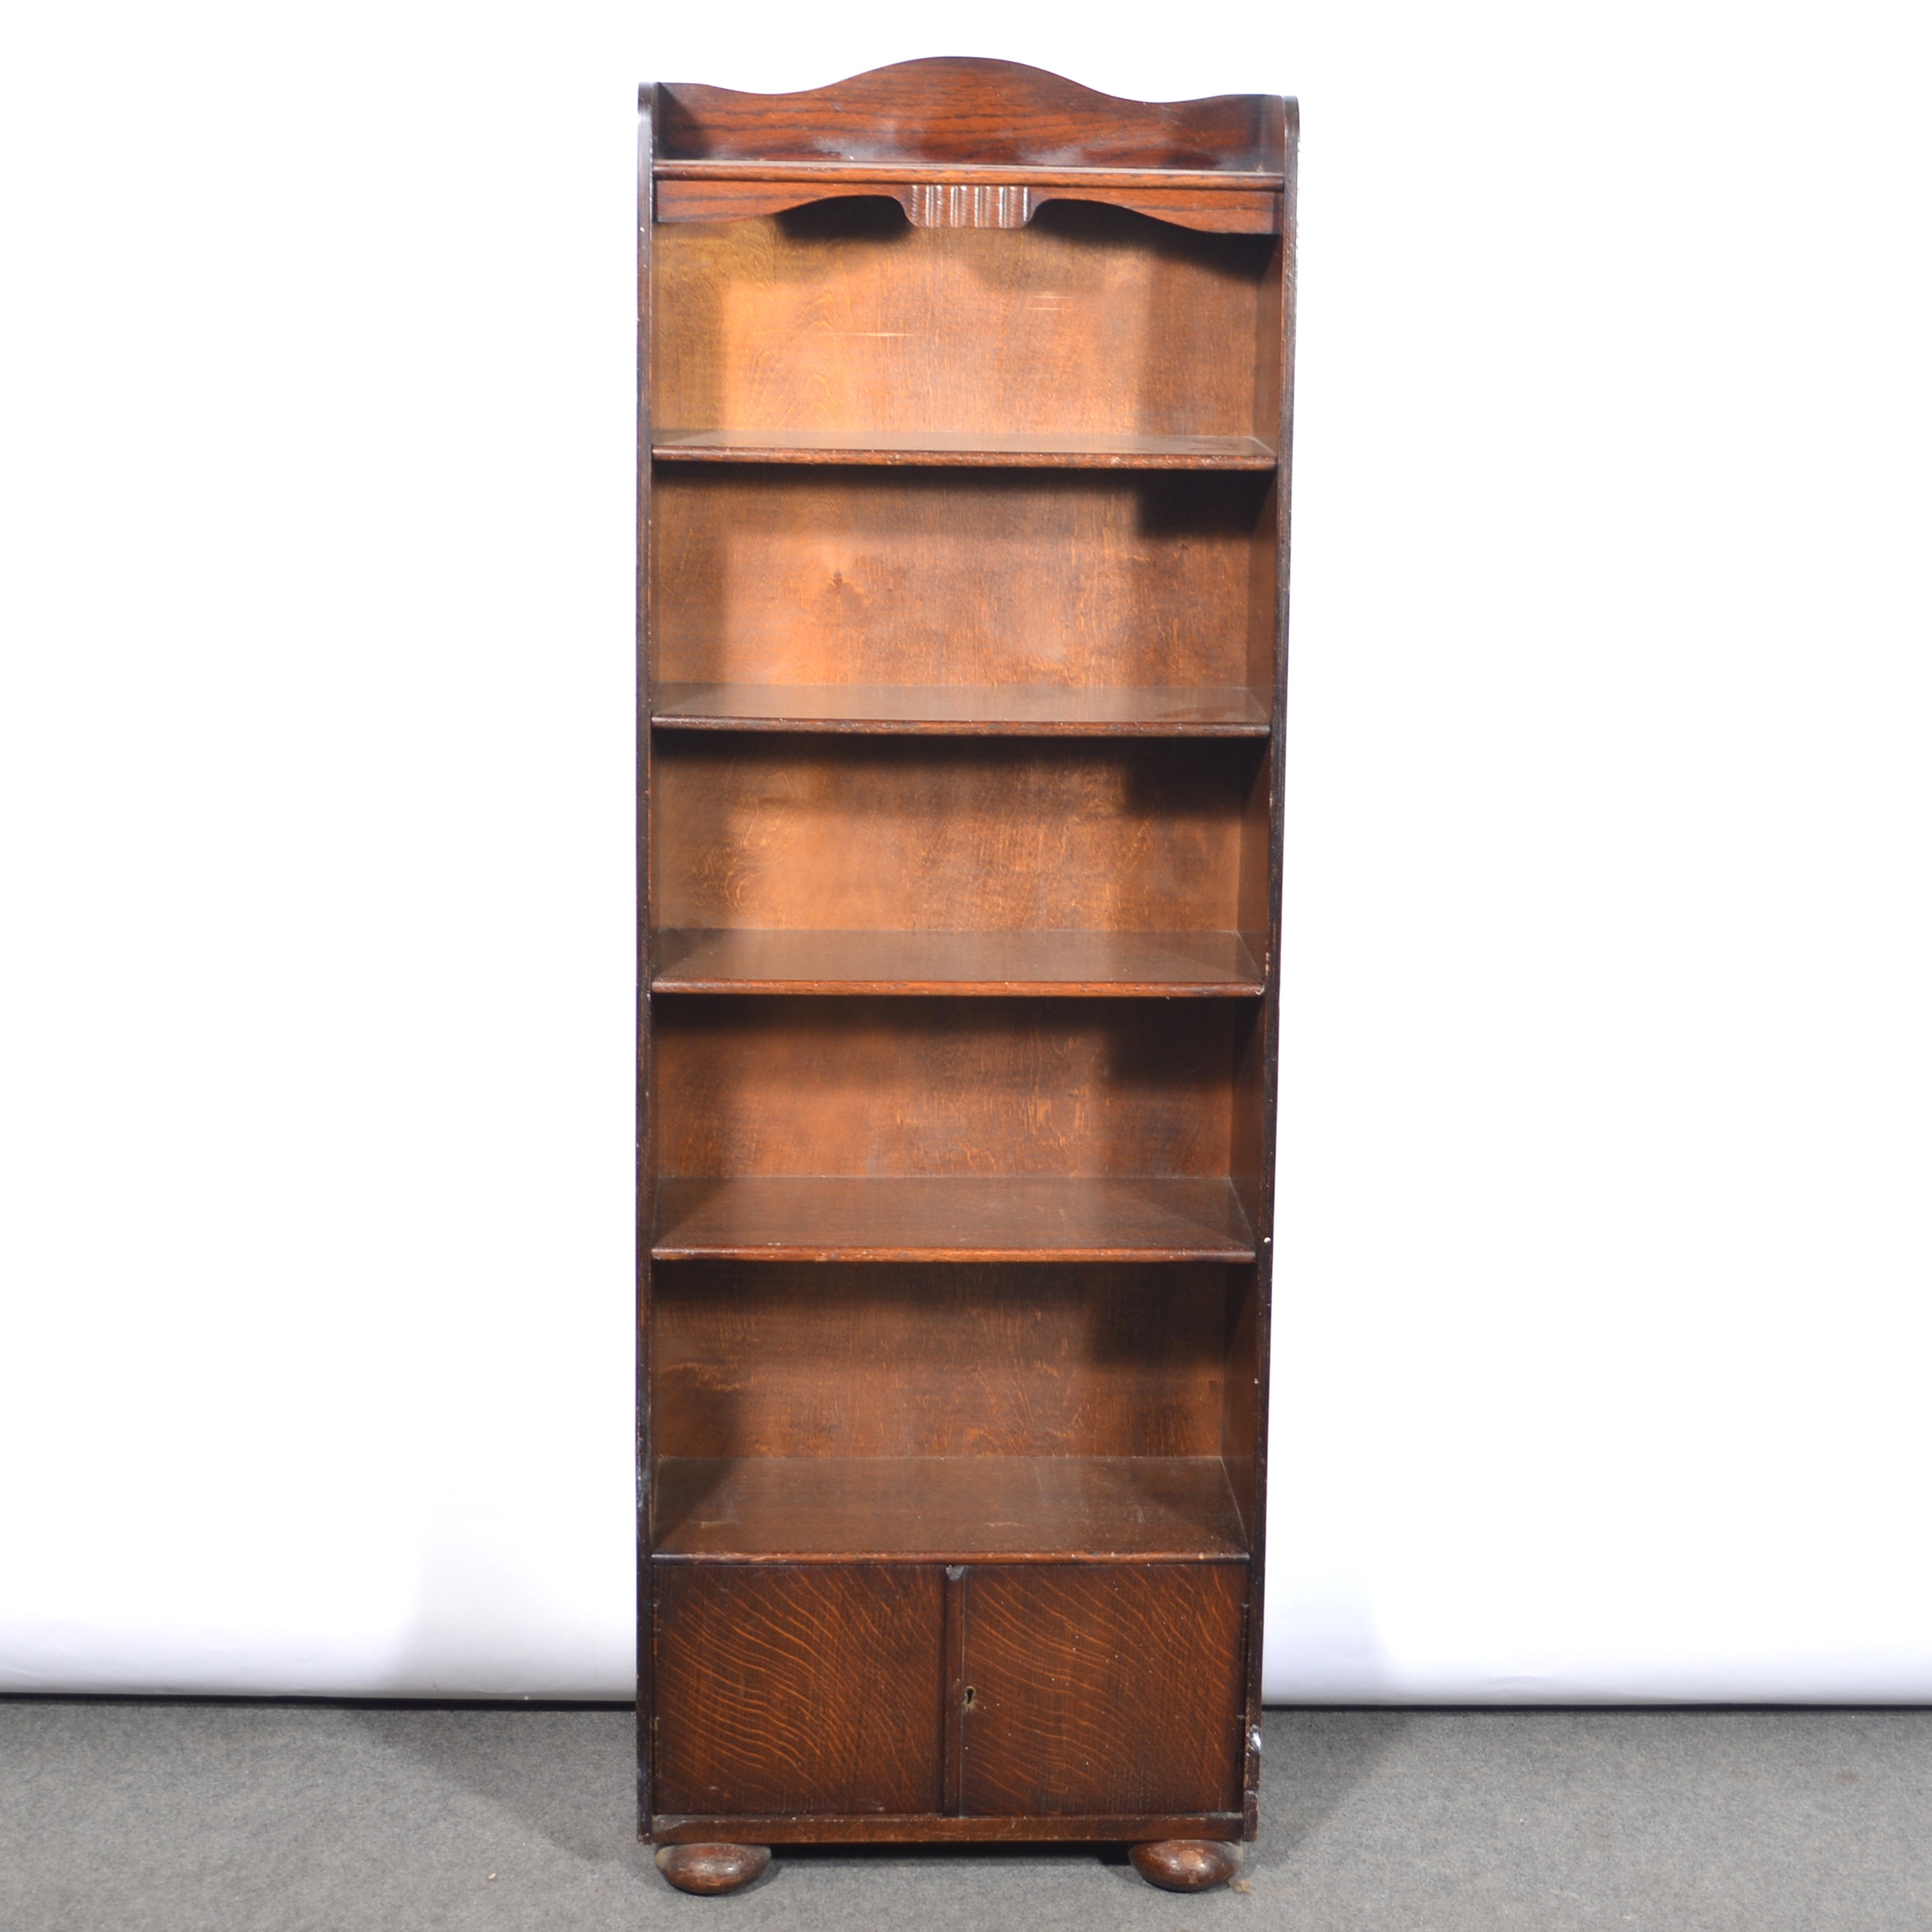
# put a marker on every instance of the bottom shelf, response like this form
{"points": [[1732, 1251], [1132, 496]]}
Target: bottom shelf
{"points": [[946, 1508]]}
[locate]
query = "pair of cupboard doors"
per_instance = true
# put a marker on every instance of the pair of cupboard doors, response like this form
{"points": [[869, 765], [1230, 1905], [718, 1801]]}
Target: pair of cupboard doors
{"points": [[1074, 1695]]}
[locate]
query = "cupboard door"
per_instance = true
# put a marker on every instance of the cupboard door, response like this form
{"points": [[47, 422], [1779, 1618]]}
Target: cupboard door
{"points": [[789, 1688], [1102, 1689]]}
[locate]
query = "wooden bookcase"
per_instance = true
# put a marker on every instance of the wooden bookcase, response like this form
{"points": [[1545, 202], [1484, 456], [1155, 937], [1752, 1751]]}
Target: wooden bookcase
{"points": [[963, 548]]}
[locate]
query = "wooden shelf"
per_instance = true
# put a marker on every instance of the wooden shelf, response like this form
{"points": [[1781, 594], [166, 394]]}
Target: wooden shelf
{"points": [[1158, 711], [1125, 965], [1068, 451], [946, 1508], [838, 1218], [1229, 180]]}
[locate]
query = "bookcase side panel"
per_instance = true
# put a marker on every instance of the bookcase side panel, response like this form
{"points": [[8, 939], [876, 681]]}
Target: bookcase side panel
{"points": [[1268, 1071], [643, 1167]]}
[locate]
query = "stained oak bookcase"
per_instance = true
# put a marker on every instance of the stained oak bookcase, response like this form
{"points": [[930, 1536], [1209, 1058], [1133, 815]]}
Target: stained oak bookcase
{"points": [[963, 546]]}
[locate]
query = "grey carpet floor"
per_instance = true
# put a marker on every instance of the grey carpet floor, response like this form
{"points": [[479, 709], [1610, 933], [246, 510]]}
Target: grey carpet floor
{"points": [[183, 1817]]}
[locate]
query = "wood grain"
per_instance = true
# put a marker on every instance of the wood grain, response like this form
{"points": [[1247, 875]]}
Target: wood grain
{"points": [[975, 835], [939, 1829], [867, 1088], [1264, 1082], [708, 1870], [768, 1359], [837, 1510], [1094, 334], [679, 199], [888, 175], [1103, 1689], [821, 1217], [1046, 450], [643, 1166], [976, 1368], [1186, 1865], [1220, 711], [1213, 203], [1109, 965], [796, 1690], [869, 576], [963, 110], [1245, 1373]]}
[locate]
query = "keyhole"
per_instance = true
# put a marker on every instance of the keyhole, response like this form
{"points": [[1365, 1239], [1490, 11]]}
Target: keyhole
{"points": [[971, 1694]]}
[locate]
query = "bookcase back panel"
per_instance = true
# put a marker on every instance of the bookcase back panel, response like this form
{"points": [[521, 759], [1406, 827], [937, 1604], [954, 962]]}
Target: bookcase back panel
{"points": [[883, 1086], [945, 1509], [845, 575], [764, 830], [764, 1359], [842, 316]]}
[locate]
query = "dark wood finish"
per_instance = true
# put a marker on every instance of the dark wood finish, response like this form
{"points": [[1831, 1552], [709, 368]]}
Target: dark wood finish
{"points": [[833, 1510], [952, 1741], [938, 1828], [959, 835], [709, 1870], [837, 173], [768, 1359], [1165, 710], [1046, 450], [851, 576], [790, 1689], [985, 198], [646, 1167], [963, 546], [1097, 1689], [1244, 1371], [958, 1088], [1117, 965], [708, 198], [925, 1218], [971, 111], [1097, 335], [1186, 1865], [1277, 404]]}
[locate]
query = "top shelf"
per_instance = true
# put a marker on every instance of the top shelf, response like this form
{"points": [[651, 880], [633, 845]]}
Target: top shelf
{"points": [[1046, 451], [969, 174]]}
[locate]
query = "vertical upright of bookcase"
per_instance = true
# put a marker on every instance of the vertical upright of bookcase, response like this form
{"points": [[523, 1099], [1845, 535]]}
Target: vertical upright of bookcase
{"points": [[963, 550]]}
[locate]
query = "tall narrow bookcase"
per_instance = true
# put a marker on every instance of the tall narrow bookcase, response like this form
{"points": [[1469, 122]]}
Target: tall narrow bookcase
{"points": [[963, 543]]}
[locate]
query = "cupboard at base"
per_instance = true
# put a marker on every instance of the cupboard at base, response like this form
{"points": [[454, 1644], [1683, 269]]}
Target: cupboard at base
{"points": [[794, 1691]]}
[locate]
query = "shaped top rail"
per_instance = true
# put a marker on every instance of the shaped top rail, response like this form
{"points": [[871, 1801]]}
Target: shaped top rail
{"points": [[953, 112]]}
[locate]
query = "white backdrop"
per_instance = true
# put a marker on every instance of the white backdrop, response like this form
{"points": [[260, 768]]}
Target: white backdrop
{"points": [[1605, 1242]]}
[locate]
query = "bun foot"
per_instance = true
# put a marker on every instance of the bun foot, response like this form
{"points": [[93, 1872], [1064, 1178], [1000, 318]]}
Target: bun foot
{"points": [[712, 1868], [1185, 1864]]}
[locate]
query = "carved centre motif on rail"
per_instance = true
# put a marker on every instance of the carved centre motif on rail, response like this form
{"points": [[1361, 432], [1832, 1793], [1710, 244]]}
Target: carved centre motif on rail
{"points": [[939, 205]]}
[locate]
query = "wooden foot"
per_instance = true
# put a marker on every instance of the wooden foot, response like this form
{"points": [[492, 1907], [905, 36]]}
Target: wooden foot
{"points": [[712, 1868], [1185, 1864]]}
